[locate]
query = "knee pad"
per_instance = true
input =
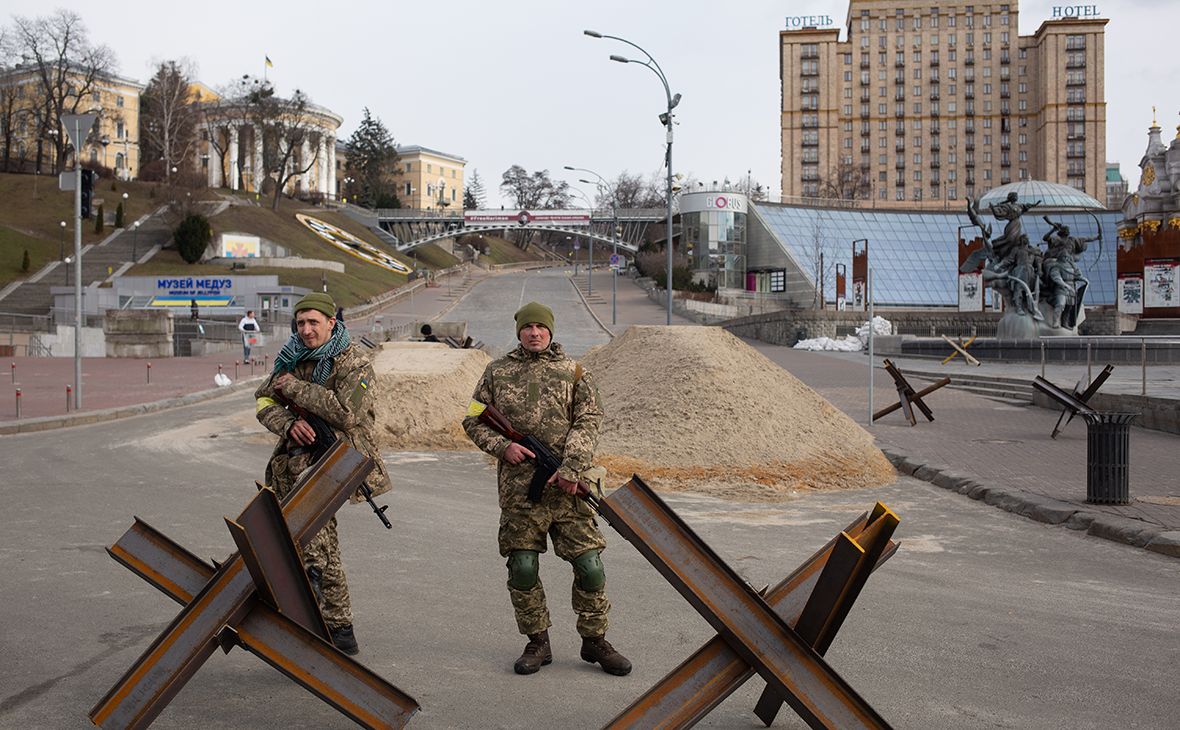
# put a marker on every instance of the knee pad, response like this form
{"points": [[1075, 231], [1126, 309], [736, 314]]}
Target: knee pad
{"points": [[522, 569], [591, 576]]}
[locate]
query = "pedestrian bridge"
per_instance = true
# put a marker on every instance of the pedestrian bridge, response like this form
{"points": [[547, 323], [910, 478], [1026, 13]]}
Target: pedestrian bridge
{"points": [[406, 229]]}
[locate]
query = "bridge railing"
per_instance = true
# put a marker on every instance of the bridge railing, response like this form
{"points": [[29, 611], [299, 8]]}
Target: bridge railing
{"points": [[599, 214]]}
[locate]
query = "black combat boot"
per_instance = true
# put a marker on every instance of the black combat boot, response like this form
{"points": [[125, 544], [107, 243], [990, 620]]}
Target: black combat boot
{"points": [[344, 639], [536, 654], [596, 649]]}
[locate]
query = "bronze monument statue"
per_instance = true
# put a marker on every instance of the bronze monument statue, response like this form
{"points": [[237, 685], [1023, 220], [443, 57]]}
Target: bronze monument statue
{"points": [[1035, 285]]}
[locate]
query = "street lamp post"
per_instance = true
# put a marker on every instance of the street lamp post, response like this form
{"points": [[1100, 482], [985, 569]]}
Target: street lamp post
{"points": [[134, 240], [614, 227], [62, 255], [666, 120], [590, 243]]}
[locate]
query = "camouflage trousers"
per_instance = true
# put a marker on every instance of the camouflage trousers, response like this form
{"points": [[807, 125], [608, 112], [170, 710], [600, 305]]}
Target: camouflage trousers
{"points": [[323, 551], [574, 531]]}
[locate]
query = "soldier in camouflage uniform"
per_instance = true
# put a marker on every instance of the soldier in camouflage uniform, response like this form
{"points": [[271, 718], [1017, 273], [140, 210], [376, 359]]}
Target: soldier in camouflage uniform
{"points": [[546, 394], [324, 372]]}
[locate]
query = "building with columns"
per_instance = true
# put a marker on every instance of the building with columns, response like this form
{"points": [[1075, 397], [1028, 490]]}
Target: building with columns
{"points": [[929, 102], [232, 151]]}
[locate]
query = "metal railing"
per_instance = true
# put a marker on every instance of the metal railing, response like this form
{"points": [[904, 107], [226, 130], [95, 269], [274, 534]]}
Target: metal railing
{"points": [[1162, 339], [14, 322]]}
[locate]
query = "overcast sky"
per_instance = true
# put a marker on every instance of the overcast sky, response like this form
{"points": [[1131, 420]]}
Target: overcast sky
{"points": [[516, 82]]}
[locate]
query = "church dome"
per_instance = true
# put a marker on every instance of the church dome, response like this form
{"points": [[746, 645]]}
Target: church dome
{"points": [[1050, 194]]}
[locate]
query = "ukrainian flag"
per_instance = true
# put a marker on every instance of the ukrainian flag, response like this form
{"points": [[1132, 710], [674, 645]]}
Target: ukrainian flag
{"points": [[268, 63]]}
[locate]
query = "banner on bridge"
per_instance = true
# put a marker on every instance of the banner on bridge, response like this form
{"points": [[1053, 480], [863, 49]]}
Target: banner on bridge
{"points": [[568, 217]]}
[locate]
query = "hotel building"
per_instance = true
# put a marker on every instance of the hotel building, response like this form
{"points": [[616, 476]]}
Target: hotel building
{"points": [[926, 104]]}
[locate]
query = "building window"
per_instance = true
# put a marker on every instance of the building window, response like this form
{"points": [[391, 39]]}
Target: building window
{"points": [[429, 169], [407, 193], [119, 130], [119, 161], [408, 168], [119, 101], [95, 97]]}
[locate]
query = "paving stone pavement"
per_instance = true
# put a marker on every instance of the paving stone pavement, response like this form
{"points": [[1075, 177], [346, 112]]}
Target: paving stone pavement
{"points": [[994, 450]]}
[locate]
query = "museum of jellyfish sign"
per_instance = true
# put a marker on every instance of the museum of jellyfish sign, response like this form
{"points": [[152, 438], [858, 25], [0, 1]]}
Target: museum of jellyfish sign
{"points": [[1075, 11], [808, 21]]}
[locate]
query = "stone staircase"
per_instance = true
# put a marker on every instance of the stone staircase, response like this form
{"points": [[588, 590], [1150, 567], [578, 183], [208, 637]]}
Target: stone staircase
{"points": [[989, 386], [1157, 327], [100, 261]]}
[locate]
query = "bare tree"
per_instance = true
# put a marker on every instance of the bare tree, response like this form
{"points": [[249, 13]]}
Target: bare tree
{"points": [[284, 127], [534, 191], [847, 181], [168, 116], [820, 254], [636, 191], [68, 67], [8, 96]]}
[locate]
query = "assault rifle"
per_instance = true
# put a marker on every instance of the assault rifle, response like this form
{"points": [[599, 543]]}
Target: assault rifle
{"points": [[547, 463], [324, 438]]}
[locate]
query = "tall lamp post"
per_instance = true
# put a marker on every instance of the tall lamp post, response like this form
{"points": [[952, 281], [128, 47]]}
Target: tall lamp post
{"points": [[589, 242], [62, 256], [666, 120], [77, 127], [134, 240], [614, 227]]}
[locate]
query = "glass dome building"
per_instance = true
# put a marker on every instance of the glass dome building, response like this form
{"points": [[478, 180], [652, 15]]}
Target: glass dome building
{"points": [[915, 255]]}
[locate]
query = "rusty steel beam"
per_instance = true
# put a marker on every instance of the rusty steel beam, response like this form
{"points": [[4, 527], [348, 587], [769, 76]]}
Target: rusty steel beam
{"points": [[333, 677], [840, 583], [151, 555], [692, 690], [317, 666], [742, 617], [172, 659], [270, 554]]}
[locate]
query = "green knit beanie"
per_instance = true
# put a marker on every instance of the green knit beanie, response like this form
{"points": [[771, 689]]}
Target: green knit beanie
{"points": [[533, 313], [318, 301]]}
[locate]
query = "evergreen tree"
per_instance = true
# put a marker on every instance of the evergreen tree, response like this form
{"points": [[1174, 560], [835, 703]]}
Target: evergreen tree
{"points": [[474, 197], [372, 157], [192, 237]]}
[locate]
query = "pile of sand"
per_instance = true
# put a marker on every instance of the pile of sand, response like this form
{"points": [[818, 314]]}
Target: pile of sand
{"points": [[696, 408], [423, 389]]}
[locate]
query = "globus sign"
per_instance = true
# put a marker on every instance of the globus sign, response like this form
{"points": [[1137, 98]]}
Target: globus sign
{"points": [[728, 201], [723, 202]]}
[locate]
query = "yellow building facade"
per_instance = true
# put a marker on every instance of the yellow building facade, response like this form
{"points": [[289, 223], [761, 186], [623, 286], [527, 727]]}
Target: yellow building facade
{"points": [[429, 180], [113, 141]]}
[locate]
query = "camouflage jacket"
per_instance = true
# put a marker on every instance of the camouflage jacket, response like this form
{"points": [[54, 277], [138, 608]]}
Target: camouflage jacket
{"points": [[346, 401], [536, 393]]}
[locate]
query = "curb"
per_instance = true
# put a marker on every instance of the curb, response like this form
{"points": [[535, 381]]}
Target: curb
{"points": [[1035, 507], [590, 309], [48, 423]]}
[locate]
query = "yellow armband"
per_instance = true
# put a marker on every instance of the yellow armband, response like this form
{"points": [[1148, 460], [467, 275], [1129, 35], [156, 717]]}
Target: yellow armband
{"points": [[265, 403]]}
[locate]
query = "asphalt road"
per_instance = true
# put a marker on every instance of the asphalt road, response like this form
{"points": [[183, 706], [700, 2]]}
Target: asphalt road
{"points": [[983, 619], [488, 308]]}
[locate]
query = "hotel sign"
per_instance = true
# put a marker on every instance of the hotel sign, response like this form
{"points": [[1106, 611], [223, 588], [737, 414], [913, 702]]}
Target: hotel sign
{"points": [[807, 21], [1075, 11]]}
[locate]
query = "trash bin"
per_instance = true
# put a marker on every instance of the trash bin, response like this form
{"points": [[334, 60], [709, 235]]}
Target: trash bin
{"points": [[1108, 452]]}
